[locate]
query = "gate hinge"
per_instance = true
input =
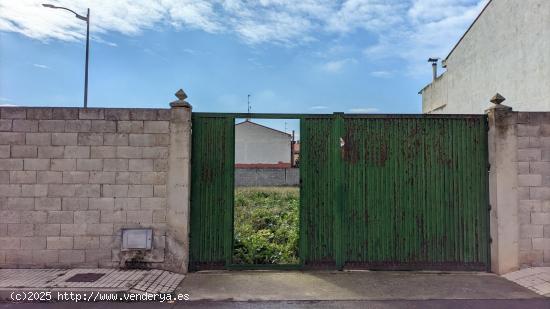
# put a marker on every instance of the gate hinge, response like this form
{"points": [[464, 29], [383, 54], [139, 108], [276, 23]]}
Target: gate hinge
{"points": [[489, 207], [490, 240], [488, 167]]}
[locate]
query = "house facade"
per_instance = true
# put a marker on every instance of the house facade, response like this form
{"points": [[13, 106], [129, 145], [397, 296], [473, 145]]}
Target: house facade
{"points": [[257, 146], [505, 50]]}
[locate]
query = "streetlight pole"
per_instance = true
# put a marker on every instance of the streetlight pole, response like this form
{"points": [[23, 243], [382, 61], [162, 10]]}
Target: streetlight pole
{"points": [[87, 20]]}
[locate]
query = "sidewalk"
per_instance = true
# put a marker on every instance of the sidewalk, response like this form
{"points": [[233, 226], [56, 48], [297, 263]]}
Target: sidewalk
{"points": [[84, 280], [536, 279], [348, 286]]}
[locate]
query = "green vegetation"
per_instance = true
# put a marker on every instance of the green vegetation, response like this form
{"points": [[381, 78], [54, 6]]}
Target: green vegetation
{"points": [[266, 226]]}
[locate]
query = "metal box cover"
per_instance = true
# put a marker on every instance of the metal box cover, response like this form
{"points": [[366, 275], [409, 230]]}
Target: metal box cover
{"points": [[137, 239]]}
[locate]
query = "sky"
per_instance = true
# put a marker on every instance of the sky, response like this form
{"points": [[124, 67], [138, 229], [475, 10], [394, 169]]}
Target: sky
{"points": [[308, 56]]}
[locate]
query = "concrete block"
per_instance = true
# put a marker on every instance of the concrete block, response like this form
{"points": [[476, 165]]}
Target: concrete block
{"points": [[96, 255], [541, 243], [102, 177], [128, 178], [117, 114], [529, 206], [19, 257], [160, 165], [130, 127], [540, 217], [90, 190], [49, 177], [545, 142], [59, 242], [140, 165], [34, 216], [62, 139], [546, 231], [86, 217], [74, 203], [156, 127], [62, 217], [12, 138], [99, 229], [20, 230], [109, 242], [91, 113], [56, 190], [129, 152], [63, 164], [523, 193], [545, 154], [10, 216], [103, 203], [24, 151], [110, 216], [10, 243], [77, 152], [86, 242], [523, 167], [143, 140], [20, 203], [162, 139], [143, 114], [531, 231], [103, 126], [89, 164], [45, 257], [34, 190], [71, 257], [72, 177], [3, 231], [36, 243], [65, 113], [51, 125], [77, 126], [101, 152], [73, 229], [51, 152], [159, 216], [4, 177], [523, 142], [140, 191], [22, 125], [115, 139], [4, 151], [540, 193], [47, 229], [23, 177], [90, 139], [159, 191], [47, 203], [127, 204], [13, 112], [39, 113], [528, 130], [164, 114], [115, 165], [110, 191], [39, 139], [5, 125], [530, 154], [10, 190], [155, 152], [139, 216], [36, 164], [153, 178]]}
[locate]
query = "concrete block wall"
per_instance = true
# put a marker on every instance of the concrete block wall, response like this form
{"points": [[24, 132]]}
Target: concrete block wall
{"points": [[267, 177], [533, 165], [71, 179]]}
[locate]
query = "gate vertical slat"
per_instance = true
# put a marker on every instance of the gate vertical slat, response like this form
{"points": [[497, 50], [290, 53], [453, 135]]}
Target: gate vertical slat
{"points": [[212, 166]]}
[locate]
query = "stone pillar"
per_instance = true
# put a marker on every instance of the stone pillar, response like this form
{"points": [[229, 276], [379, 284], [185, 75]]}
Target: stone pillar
{"points": [[503, 187], [178, 185]]}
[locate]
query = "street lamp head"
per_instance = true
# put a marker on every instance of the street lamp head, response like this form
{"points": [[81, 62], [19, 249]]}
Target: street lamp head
{"points": [[48, 5]]}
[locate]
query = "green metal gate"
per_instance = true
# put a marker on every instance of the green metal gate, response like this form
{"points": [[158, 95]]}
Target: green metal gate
{"points": [[377, 191]]}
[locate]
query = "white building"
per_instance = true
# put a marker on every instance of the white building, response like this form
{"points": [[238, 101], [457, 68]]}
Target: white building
{"points": [[261, 147], [505, 50]]}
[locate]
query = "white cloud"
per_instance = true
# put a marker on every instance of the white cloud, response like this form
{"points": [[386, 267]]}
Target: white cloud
{"points": [[336, 66], [409, 29], [364, 110], [318, 107], [41, 66]]}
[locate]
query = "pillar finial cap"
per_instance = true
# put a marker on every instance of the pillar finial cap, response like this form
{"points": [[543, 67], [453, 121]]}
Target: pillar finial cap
{"points": [[180, 102], [497, 99]]}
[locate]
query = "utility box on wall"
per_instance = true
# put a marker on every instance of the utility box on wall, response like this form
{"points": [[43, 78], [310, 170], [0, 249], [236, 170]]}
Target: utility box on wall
{"points": [[137, 239]]}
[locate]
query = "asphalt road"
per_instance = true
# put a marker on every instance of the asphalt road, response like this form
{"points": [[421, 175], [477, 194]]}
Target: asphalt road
{"points": [[534, 303]]}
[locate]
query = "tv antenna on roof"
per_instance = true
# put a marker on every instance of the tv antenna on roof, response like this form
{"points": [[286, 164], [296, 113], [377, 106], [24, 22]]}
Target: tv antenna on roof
{"points": [[249, 108]]}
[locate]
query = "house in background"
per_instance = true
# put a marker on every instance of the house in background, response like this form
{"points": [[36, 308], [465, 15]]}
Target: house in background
{"points": [[506, 50], [258, 146]]}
